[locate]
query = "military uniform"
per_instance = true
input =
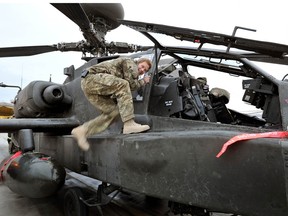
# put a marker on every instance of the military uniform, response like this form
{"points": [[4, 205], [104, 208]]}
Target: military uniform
{"points": [[108, 87]]}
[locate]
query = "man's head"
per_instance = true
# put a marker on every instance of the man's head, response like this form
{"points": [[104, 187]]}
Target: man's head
{"points": [[144, 65]]}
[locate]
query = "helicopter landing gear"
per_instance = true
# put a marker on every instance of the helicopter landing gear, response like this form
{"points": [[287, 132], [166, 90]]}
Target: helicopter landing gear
{"points": [[13, 147], [82, 195], [73, 204], [21, 140]]}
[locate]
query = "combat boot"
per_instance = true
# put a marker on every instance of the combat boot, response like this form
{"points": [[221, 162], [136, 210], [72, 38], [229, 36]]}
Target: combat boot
{"points": [[79, 134], [131, 126]]}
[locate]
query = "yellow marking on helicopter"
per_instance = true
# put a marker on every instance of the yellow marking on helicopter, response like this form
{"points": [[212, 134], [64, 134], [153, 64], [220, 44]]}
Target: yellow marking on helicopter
{"points": [[6, 110]]}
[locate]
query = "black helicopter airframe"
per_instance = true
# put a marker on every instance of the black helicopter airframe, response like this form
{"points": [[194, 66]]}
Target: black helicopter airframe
{"points": [[176, 159]]}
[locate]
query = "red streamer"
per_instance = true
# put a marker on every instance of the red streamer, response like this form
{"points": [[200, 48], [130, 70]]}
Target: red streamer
{"points": [[241, 137]]}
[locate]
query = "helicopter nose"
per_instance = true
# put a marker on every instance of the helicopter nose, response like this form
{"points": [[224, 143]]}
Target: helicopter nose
{"points": [[32, 175]]}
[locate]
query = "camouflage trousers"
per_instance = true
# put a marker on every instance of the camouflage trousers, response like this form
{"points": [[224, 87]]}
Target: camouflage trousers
{"points": [[110, 95]]}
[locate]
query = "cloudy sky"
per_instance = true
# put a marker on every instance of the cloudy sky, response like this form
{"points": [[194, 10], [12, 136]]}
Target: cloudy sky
{"points": [[34, 23]]}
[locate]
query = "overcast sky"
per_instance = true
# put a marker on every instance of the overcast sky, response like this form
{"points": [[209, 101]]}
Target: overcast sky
{"points": [[34, 23]]}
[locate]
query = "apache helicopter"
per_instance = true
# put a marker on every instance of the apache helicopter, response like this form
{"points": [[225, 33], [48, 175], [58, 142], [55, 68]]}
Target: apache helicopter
{"points": [[181, 158]]}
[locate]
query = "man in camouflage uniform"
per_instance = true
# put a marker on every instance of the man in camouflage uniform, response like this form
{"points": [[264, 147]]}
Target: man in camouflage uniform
{"points": [[104, 84]]}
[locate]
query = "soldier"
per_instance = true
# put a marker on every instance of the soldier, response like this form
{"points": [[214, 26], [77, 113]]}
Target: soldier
{"points": [[108, 87]]}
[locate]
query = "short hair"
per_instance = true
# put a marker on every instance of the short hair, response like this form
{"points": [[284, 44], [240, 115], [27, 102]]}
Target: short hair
{"points": [[148, 61]]}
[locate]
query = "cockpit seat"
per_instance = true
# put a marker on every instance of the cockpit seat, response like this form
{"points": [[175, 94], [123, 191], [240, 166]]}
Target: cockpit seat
{"points": [[220, 94], [219, 98]]}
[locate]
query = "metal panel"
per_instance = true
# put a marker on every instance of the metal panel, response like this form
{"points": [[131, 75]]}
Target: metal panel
{"points": [[183, 166]]}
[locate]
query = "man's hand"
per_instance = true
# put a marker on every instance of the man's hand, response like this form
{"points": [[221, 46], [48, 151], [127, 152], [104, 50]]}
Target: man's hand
{"points": [[146, 79]]}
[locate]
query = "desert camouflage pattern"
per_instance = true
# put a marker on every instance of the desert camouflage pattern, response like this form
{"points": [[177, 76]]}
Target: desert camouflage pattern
{"points": [[107, 87], [124, 68]]}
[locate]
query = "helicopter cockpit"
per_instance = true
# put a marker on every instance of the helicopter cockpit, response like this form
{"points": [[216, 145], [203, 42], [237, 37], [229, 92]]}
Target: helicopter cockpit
{"points": [[216, 85], [210, 89]]}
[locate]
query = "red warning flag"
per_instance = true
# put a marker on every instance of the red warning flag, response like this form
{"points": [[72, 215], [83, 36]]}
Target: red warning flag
{"points": [[241, 137]]}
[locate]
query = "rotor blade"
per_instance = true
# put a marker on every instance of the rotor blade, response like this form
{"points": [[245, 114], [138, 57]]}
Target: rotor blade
{"points": [[74, 12], [26, 50], [268, 48]]}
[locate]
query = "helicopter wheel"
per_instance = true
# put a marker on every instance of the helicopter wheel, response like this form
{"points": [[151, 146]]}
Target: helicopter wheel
{"points": [[73, 206]]}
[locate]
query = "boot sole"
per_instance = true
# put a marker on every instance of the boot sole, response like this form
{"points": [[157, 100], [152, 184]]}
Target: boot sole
{"points": [[137, 131]]}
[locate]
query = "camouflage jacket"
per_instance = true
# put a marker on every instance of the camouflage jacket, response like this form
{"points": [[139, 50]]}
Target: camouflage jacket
{"points": [[124, 68]]}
